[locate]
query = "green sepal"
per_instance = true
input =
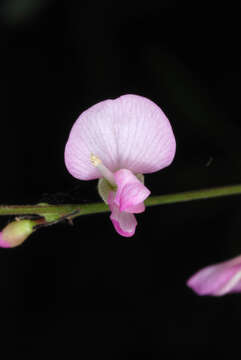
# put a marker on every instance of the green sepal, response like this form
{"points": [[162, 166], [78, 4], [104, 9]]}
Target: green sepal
{"points": [[104, 189]]}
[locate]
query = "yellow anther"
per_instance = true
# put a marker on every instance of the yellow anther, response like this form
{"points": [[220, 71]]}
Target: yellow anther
{"points": [[95, 160]]}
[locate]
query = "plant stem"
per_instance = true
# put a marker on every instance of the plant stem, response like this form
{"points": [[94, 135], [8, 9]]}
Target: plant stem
{"points": [[194, 195], [54, 212]]}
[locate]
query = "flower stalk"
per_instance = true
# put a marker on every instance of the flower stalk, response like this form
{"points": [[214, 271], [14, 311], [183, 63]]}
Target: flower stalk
{"points": [[52, 213]]}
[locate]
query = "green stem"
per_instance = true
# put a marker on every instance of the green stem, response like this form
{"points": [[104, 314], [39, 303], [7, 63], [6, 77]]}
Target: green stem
{"points": [[54, 212], [194, 195]]}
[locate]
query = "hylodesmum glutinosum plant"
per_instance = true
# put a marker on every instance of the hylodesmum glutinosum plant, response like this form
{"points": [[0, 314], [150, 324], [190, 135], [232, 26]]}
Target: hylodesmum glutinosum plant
{"points": [[116, 142]]}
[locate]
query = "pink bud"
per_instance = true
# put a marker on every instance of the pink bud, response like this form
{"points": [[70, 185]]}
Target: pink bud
{"points": [[16, 232]]}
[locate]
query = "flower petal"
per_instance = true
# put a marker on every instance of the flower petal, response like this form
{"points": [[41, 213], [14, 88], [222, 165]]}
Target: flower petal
{"points": [[129, 132], [218, 279], [124, 223], [136, 209], [130, 192]]}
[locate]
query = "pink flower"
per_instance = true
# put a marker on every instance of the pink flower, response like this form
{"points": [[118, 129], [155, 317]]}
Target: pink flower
{"points": [[116, 141], [218, 279]]}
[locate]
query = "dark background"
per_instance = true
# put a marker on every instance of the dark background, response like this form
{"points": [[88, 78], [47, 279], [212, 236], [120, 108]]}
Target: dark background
{"points": [[84, 287]]}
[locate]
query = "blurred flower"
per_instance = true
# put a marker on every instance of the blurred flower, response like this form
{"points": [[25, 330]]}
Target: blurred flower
{"points": [[218, 279], [122, 138], [16, 232]]}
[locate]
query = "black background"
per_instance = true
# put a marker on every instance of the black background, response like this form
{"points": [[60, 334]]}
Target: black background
{"points": [[84, 287]]}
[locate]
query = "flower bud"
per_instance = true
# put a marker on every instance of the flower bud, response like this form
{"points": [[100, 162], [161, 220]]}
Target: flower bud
{"points": [[16, 232]]}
